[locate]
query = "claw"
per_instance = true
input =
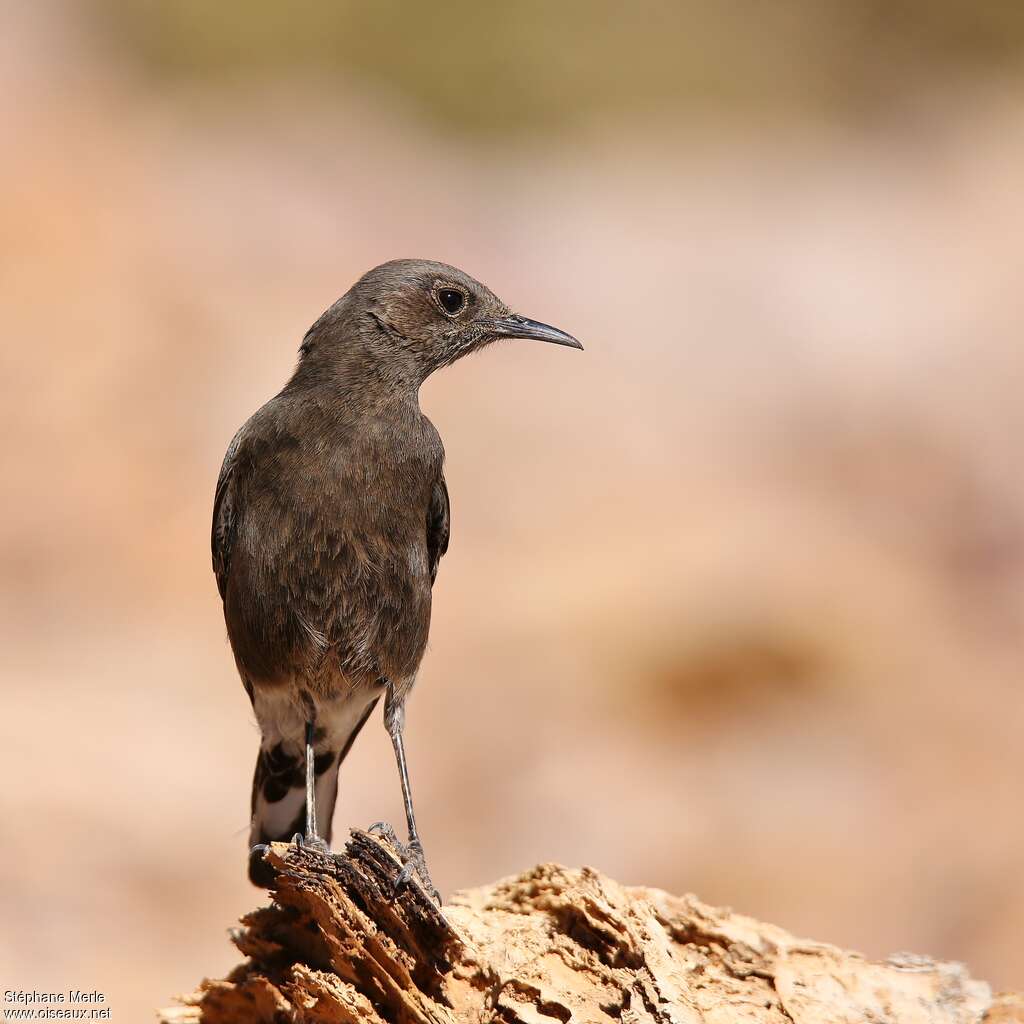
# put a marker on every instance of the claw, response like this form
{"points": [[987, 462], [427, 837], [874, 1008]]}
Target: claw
{"points": [[314, 843], [387, 833], [413, 860], [416, 864]]}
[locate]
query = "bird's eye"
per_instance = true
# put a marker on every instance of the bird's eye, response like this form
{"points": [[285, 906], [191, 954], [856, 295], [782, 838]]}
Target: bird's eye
{"points": [[452, 300]]}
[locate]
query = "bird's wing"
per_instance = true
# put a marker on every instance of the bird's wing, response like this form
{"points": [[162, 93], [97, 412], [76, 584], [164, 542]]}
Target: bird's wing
{"points": [[439, 525], [226, 513]]}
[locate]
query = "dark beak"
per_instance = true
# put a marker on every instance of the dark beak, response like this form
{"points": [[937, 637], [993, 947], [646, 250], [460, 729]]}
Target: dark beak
{"points": [[515, 326]]}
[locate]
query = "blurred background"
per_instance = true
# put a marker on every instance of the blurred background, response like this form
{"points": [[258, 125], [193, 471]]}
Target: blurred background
{"points": [[735, 599]]}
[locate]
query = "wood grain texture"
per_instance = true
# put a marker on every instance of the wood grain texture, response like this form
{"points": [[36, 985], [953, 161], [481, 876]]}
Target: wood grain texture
{"points": [[552, 945]]}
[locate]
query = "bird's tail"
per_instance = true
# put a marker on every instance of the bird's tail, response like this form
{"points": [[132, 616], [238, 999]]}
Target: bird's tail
{"points": [[279, 792], [279, 780]]}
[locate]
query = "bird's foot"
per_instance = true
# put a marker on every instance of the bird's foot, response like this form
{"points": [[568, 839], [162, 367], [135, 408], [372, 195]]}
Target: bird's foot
{"points": [[314, 843], [413, 860], [262, 875], [387, 833], [416, 863]]}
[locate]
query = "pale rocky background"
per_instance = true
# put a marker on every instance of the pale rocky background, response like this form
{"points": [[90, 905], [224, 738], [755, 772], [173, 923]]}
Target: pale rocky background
{"points": [[734, 601]]}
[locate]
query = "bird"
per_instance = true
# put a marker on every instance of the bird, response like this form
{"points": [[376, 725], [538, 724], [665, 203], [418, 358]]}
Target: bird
{"points": [[331, 515]]}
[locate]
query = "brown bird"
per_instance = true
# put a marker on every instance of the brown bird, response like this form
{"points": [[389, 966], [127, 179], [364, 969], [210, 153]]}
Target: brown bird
{"points": [[330, 518]]}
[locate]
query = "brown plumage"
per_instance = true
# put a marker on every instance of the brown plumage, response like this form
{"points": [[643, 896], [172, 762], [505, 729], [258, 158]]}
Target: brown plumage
{"points": [[330, 518]]}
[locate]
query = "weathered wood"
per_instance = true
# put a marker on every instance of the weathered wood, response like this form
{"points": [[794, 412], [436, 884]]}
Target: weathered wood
{"points": [[337, 946]]}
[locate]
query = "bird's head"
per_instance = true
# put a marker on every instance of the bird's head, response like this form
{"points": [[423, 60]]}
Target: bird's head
{"points": [[421, 315]]}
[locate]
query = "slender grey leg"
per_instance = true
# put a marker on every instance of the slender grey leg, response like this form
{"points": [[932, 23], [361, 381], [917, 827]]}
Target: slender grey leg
{"points": [[312, 836], [394, 722], [311, 832]]}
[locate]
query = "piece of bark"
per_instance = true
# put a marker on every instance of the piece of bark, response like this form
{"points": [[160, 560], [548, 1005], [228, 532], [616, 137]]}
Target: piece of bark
{"points": [[338, 946]]}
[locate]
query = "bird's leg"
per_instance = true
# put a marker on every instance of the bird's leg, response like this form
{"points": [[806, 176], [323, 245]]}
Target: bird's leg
{"points": [[412, 852], [312, 837]]}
